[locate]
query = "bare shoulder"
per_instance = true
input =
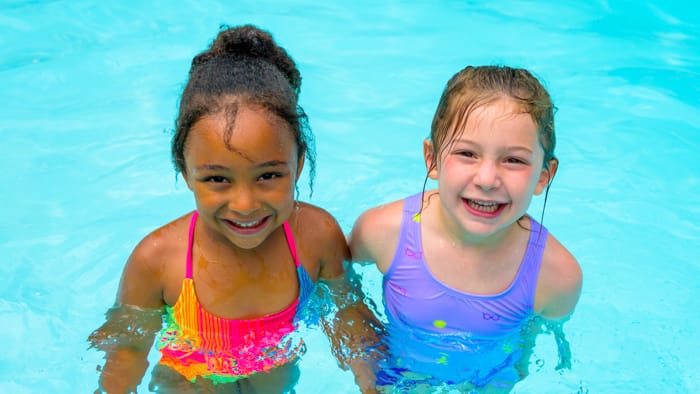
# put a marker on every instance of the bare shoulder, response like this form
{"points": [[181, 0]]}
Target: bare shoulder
{"points": [[320, 240], [150, 266], [315, 224], [560, 280], [375, 234]]}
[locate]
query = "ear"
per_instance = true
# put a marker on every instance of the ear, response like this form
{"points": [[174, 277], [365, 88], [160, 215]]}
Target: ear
{"points": [[300, 166], [187, 179], [546, 176], [430, 159]]}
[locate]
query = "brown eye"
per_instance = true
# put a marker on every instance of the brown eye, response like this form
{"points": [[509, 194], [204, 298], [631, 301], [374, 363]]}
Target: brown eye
{"points": [[515, 160], [215, 179], [270, 175]]}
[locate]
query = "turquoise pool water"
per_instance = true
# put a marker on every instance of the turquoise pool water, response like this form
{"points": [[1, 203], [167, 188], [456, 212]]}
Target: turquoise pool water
{"points": [[89, 92]]}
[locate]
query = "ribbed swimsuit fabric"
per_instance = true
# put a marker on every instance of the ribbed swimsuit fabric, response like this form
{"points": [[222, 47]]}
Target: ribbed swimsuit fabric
{"points": [[197, 343]]}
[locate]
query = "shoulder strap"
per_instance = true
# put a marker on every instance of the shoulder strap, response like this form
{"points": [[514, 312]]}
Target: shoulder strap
{"points": [[290, 242], [408, 244], [530, 266], [411, 204], [410, 222], [190, 242]]}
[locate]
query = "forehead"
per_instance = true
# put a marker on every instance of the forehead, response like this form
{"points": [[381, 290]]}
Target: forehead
{"points": [[253, 133], [501, 110], [502, 115]]}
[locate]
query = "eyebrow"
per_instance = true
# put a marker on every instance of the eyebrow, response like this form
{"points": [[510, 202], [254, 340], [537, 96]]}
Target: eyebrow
{"points": [[459, 142], [219, 167], [272, 163], [519, 148]]}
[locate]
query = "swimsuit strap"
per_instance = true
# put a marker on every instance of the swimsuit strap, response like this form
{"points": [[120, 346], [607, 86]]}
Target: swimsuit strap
{"points": [[190, 241], [290, 242], [412, 204], [306, 284]]}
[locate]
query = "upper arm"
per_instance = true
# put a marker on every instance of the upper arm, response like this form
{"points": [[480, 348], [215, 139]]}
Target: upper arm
{"points": [[141, 282], [360, 238], [560, 281], [336, 253], [375, 234], [322, 241]]}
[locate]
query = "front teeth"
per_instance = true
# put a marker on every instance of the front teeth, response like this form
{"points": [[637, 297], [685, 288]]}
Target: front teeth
{"points": [[247, 224], [484, 203], [485, 206]]}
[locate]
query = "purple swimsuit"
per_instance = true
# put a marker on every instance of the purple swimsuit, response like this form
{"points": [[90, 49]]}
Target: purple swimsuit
{"points": [[450, 335]]}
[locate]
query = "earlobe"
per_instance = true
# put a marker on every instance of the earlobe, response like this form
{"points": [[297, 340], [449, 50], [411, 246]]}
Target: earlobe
{"points": [[430, 160]]}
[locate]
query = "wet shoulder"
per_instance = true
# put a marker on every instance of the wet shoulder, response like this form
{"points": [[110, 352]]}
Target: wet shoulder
{"points": [[158, 261], [164, 242], [376, 233], [319, 240], [382, 219], [560, 280], [148, 275]]}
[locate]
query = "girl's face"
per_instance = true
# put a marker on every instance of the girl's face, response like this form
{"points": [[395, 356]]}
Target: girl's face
{"points": [[489, 172], [244, 190]]}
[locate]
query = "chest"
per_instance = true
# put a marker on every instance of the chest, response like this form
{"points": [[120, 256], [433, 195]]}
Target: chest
{"points": [[236, 291], [473, 271], [240, 287], [416, 298]]}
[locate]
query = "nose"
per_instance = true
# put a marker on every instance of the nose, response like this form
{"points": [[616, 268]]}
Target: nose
{"points": [[242, 200], [486, 176]]}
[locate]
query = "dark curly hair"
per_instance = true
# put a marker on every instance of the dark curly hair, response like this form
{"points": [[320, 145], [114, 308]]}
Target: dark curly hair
{"points": [[243, 65]]}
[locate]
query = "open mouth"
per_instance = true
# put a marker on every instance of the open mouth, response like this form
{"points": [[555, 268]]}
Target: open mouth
{"points": [[484, 208], [247, 227]]}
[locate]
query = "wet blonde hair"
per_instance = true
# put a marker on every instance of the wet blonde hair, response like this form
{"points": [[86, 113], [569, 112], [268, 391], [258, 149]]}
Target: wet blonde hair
{"points": [[473, 87]]}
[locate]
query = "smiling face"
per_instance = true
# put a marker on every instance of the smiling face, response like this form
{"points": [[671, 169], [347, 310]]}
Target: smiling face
{"points": [[488, 173], [244, 185]]}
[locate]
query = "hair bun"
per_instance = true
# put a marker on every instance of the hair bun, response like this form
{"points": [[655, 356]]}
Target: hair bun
{"points": [[243, 41], [248, 41]]}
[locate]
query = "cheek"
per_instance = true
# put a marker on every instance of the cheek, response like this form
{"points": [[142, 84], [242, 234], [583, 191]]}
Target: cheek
{"points": [[449, 168], [281, 192], [205, 197]]}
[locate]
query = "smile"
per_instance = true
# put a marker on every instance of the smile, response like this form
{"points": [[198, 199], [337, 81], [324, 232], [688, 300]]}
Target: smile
{"points": [[484, 208], [247, 227], [246, 224]]}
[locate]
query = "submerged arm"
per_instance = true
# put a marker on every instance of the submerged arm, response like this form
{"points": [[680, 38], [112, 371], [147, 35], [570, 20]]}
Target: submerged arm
{"points": [[354, 331], [558, 292], [126, 338], [358, 332], [127, 335], [353, 328]]}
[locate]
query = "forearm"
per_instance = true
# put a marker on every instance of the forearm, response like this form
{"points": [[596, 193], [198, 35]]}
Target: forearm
{"points": [[354, 330], [355, 340], [123, 371], [126, 338]]}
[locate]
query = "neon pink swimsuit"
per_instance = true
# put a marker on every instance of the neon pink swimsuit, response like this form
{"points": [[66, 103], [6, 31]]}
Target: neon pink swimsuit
{"points": [[197, 343]]}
